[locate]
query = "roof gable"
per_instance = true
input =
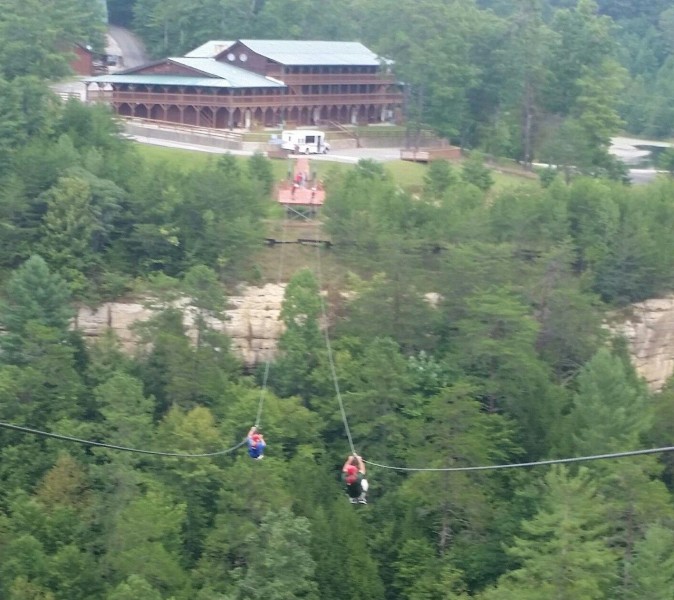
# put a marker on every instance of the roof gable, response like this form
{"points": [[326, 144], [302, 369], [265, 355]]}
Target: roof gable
{"points": [[239, 77], [210, 49], [184, 71], [166, 66]]}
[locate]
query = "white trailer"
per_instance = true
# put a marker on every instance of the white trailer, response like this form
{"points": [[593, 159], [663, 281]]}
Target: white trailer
{"points": [[304, 141]]}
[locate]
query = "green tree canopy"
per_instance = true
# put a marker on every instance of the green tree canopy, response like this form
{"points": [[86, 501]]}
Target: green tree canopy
{"points": [[33, 295]]}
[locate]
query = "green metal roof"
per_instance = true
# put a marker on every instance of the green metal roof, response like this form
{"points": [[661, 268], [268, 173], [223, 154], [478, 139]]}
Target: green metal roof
{"points": [[237, 76], [168, 80], [213, 74], [298, 52], [209, 49]]}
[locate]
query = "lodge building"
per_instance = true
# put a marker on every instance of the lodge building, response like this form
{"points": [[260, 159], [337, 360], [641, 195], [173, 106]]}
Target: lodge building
{"points": [[251, 83]]}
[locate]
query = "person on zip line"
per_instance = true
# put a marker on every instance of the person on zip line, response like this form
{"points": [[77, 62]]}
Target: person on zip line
{"points": [[353, 476], [256, 443]]}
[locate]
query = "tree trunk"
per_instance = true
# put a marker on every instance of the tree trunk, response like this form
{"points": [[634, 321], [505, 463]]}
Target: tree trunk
{"points": [[527, 125], [445, 535]]}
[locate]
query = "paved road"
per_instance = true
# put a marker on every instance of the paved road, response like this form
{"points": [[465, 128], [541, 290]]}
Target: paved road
{"points": [[351, 156], [120, 42], [633, 151], [641, 176], [131, 48]]}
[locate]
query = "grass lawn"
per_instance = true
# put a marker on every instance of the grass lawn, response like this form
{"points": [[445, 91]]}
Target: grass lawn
{"points": [[265, 262], [175, 158], [508, 180], [408, 175]]}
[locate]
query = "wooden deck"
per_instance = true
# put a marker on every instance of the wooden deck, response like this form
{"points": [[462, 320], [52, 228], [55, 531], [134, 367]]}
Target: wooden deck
{"points": [[310, 194], [429, 154]]}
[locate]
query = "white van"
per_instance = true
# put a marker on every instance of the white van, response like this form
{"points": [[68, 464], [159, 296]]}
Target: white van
{"points": [[304, 141]]}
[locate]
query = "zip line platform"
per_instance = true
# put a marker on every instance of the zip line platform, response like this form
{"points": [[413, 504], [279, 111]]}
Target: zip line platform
{"points": [[303, 190]]}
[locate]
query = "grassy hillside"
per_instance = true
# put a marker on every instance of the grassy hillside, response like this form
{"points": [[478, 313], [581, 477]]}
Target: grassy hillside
{"points": [[408, 175]]}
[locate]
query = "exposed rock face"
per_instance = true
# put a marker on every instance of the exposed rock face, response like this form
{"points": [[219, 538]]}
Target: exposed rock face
{"points": [[251, 321], [649, 330]]}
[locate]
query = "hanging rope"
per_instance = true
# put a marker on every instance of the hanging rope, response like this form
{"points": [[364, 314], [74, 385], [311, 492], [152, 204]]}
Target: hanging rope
{"points": [[267, 365], [76, 440], [328, 345], [555, 461], [333, 371], [84, 442]]}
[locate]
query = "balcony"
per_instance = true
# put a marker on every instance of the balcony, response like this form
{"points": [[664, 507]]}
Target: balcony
{"points": [[242, 101], [336, 78]]}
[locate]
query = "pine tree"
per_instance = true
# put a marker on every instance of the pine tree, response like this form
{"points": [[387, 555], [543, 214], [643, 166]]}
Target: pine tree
{"points": [[280, 564], [611, 413], [67, 232], [206, 296], [146, 541], [345, 568], [652, 568], [563, 553], [32, 295], [133, 588], [422, 575], [301, 342], [610, 409], [127, 412]]}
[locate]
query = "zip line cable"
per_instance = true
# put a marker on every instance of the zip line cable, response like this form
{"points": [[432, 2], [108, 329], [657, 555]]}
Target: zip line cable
{"points": [[76, 440], [328, 345], [265, 376], [68, 438], [335, 379], [333, 371], [554, 461], [258, 417]]}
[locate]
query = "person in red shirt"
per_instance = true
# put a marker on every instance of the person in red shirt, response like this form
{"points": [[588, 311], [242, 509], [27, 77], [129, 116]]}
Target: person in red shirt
{"points": [[353, 475]]}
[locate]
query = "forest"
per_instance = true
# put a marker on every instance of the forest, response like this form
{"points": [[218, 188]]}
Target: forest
{"points": [[465, 327], [530, 79]]}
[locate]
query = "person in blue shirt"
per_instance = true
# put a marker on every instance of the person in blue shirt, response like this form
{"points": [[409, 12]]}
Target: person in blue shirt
{"points": [[256, 444]]}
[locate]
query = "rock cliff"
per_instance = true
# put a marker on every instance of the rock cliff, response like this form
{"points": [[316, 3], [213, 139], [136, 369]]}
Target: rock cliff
{"points": [[649, 330], [252, 321]]}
